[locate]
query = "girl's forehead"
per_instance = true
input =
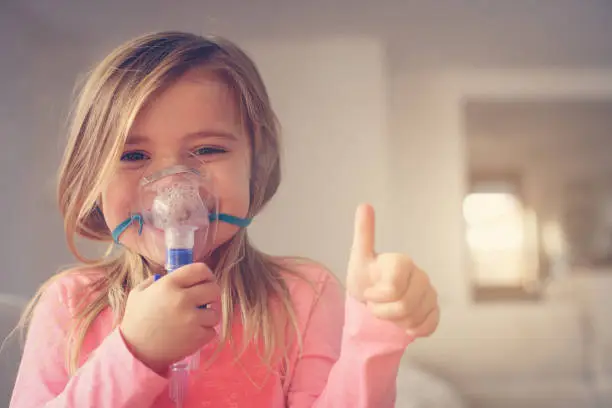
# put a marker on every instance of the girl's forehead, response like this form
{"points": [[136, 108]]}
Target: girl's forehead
{"points": [[194, 102]]}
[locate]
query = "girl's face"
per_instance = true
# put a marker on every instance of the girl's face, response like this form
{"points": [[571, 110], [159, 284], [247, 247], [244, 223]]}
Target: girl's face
{"points": [[195, 120]]}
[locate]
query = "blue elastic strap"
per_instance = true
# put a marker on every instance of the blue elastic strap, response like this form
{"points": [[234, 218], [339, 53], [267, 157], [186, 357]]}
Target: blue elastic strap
{"points": [[231, 219], [137, 218], [126, 224]]}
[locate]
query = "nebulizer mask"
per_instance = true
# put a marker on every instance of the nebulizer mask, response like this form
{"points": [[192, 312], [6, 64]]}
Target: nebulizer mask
{"points": [[177, 207]]}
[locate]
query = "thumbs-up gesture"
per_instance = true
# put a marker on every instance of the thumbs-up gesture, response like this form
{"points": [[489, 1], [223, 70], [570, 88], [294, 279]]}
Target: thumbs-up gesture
{"points": [[391, 285]]}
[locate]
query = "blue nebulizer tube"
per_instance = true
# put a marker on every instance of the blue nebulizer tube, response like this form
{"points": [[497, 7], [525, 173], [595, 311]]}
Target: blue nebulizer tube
{"points": [[179, 252]]}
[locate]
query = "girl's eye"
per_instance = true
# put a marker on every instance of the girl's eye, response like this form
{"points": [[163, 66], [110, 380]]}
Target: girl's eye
{"points": [[133, 156], [208, 150]]}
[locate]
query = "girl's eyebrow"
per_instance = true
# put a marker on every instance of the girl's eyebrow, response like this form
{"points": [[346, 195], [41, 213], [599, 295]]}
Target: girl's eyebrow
{"points": [[210, 134], [134, 139]]}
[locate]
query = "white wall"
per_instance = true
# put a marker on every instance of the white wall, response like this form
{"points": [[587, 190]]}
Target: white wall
{"points": [[37, 79], [427, 180], [37, 73], [331, 101]]}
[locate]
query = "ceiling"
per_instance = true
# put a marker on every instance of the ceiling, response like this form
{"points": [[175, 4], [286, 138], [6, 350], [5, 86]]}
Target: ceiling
{"points": [[482, 33]]}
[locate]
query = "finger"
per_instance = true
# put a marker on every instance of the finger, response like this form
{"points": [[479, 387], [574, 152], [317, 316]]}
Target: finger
{"points": [[405, 308], [394, 275], [202, 294], [398, 311], [363, 235], [208, 318], [429, 325], [190, 275], [420, 313]]}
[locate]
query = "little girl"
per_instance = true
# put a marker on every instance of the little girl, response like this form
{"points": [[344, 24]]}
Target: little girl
{"points": [[160, 111]]}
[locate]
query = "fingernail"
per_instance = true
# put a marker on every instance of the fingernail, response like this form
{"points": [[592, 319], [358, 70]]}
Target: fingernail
{"points": [[156, 277]]}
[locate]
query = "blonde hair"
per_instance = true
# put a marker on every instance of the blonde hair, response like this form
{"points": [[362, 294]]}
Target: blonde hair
{"points": [[108, 103]]}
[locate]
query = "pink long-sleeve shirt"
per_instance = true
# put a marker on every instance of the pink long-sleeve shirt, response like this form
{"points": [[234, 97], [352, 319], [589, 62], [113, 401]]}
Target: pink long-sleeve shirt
{"points": [[349, 359]]}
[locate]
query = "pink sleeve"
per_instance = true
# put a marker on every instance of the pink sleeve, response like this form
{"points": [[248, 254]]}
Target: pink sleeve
{"points": [[350, 358], [111, 377]]}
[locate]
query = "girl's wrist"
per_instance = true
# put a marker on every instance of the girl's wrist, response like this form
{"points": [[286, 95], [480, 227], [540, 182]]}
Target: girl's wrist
{"points": [[160, 368]]}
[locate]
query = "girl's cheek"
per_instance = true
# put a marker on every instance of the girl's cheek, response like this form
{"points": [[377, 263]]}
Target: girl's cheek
{"points": [[118, 201]]}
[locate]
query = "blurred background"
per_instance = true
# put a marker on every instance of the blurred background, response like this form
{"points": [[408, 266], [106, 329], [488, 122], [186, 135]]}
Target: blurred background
{"points": [[480, 130]]}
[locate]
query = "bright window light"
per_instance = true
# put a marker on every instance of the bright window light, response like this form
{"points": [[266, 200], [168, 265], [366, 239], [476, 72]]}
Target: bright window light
{"points": [[499, 238]]}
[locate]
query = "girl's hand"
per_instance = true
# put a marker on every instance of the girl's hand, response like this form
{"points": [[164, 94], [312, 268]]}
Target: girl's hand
{"points": [[391, 285], [162, 323]]}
